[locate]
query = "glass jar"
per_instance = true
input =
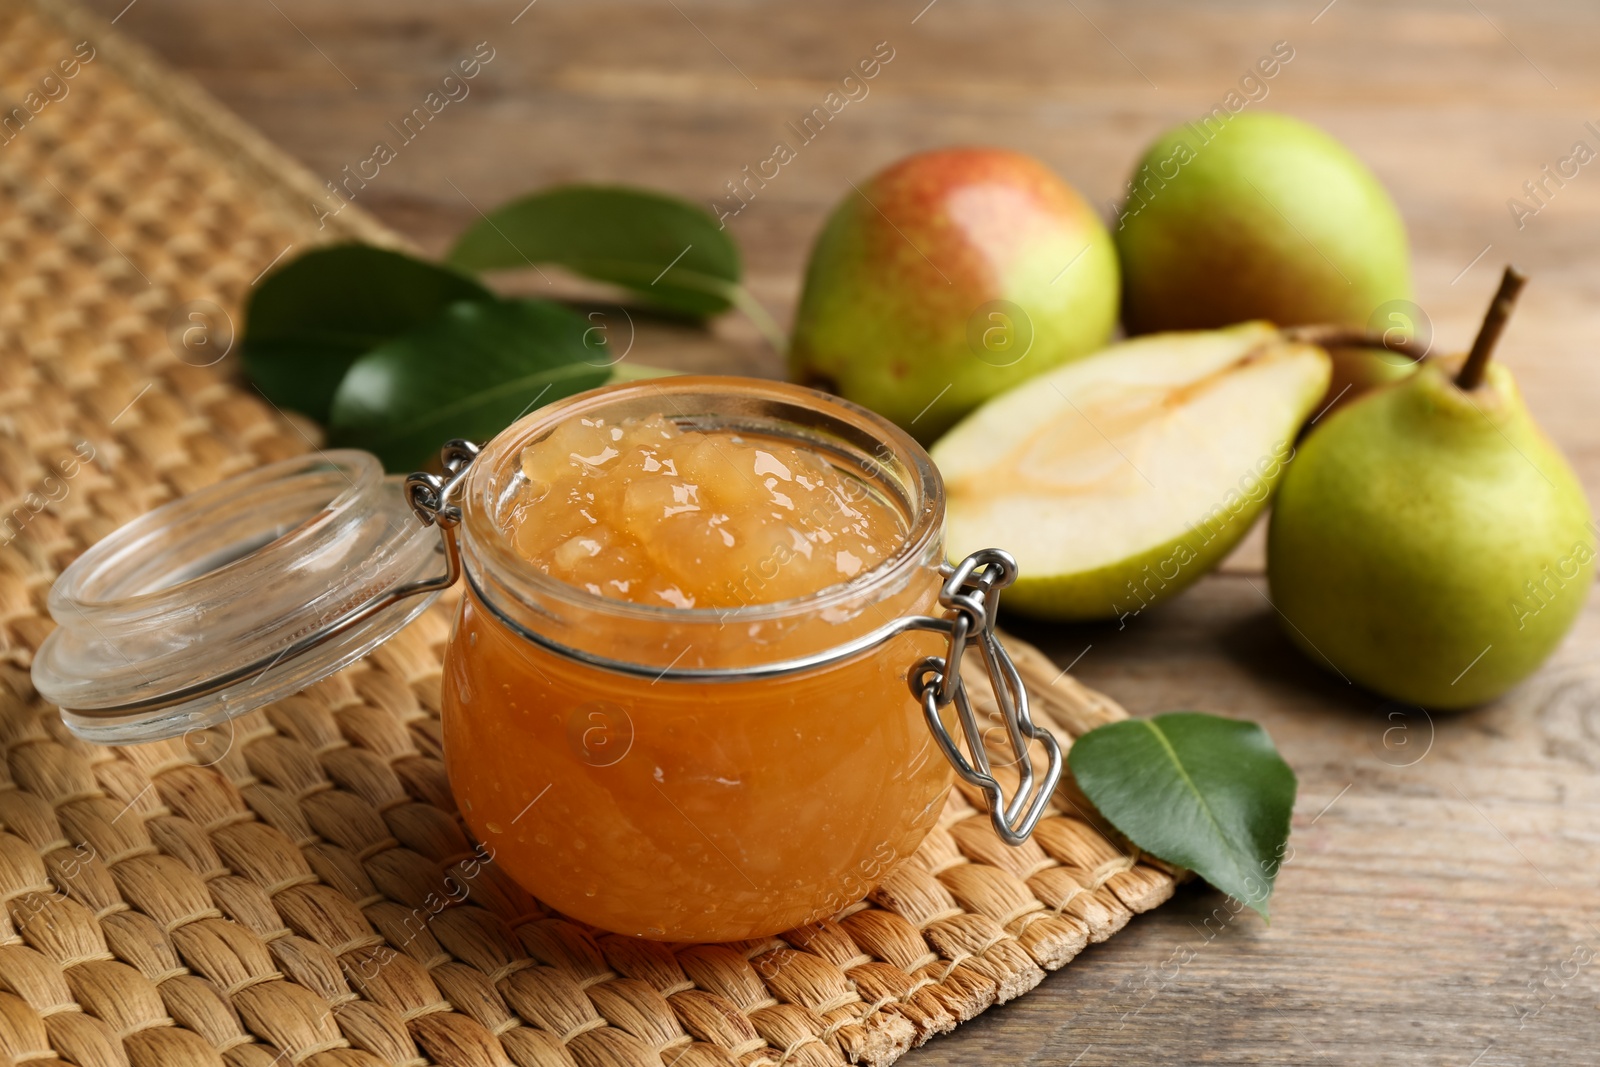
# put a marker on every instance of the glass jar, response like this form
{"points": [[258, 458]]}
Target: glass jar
{"points": [[685, 774], [695, 806]]}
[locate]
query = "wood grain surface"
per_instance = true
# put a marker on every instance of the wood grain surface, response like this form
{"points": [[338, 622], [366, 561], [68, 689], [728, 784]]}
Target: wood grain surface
{"points": [[1442, 904]]}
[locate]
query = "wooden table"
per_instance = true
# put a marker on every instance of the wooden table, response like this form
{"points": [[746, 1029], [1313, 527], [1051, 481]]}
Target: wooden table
{"points": [[1442, 899]]}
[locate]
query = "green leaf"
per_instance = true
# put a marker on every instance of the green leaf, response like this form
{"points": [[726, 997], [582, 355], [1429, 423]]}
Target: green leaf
{"points": [[313, 317], [470, 373], [668, 251], [1201, 791]]}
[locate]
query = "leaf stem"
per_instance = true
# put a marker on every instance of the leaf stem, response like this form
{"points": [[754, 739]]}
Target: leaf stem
{"points": [[1333, 335], [765, 324]]}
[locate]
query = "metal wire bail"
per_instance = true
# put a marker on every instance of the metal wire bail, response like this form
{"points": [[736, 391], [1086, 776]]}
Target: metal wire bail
{"points": [[430, 494], [971, 594]]}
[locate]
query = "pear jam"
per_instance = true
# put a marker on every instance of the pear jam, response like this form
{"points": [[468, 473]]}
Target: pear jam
{"points": [[683, 808], [640, 510]]}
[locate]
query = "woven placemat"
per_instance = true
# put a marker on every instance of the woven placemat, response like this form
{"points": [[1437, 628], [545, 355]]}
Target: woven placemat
{"points": [[274, 891]]}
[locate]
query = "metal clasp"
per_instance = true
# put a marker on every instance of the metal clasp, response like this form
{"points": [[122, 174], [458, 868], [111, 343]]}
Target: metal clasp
{"points": [[971, 595], [431, 499]]}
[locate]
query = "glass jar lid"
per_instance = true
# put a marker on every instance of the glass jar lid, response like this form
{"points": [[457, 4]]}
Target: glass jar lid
{"points": [[234, 596]]}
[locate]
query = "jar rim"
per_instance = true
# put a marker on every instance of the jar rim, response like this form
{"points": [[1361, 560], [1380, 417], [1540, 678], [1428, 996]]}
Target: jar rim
{"points": [[485, 542]]}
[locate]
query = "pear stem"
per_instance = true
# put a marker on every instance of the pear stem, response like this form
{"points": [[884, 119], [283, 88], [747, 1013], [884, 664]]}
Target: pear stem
{"points": [[1494, 322]]}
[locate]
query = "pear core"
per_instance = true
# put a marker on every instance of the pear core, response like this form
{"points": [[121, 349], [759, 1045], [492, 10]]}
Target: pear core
{"points": [[1118, 480]]}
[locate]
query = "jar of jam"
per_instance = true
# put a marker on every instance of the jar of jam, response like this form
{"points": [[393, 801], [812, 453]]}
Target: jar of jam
{"points": [[704, 679]]}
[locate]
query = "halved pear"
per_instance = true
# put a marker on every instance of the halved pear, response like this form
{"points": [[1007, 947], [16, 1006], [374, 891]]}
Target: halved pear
{"points": [[1120, 479]]}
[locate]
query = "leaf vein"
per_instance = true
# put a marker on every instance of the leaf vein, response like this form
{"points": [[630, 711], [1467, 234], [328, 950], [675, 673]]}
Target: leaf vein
{"points": [[1183, 772]]}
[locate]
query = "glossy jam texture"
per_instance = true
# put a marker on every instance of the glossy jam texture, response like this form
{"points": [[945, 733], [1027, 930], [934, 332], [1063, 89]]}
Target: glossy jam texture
{"points": [[686, 811], [644, 511]]}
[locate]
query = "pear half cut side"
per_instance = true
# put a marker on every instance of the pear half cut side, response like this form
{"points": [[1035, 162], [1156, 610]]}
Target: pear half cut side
{"points": [[1119, 480]]}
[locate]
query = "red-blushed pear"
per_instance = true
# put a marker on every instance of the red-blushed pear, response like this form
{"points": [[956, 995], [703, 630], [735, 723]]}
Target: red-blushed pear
{"points": [[1265, 217], [949, 277], [1429, 542]]}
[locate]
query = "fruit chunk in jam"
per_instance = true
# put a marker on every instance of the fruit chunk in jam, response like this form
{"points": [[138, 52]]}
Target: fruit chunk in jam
{"points": [[641, 510]]}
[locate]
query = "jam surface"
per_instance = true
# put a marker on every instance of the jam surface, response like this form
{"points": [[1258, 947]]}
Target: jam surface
{"points": [[640, 510]]}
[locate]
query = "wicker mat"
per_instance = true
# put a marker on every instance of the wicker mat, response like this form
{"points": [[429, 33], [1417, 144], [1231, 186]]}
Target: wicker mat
{"points": [[272, 891]]}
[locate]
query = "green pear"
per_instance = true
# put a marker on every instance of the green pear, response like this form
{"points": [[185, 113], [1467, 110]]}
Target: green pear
{"points": [[1429, 542], [947, 278], [1118, 480], [1261, 216]]}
